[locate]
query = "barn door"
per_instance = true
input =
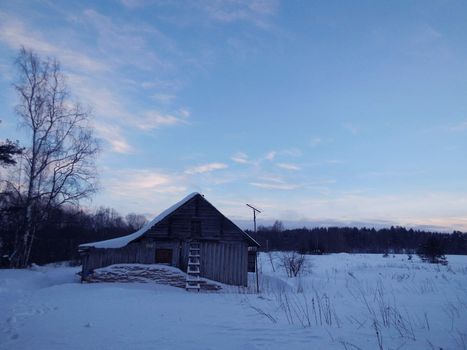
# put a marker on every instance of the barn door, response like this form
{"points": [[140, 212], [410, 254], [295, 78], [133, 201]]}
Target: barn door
{"points": [[164, 256]]}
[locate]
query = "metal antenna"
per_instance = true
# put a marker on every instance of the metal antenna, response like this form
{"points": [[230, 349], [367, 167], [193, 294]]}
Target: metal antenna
{"points": [[254, 214], [256, 252]]}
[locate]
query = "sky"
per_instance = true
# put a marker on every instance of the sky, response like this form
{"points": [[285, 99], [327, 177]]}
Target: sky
{"points": [[316, 112]]}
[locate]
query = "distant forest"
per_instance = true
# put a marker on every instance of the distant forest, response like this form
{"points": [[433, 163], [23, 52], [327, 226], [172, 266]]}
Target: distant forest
{"points": [[58, 238], [322, 240]]}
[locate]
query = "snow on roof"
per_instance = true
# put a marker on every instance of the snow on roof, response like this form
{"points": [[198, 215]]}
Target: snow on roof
{"points": [[123, 241]]}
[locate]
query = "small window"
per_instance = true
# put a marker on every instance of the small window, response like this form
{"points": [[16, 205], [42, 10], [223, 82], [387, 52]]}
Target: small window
{"points": [[196, 228]]}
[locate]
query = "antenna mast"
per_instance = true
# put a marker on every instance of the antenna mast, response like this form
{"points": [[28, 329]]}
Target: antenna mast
{"points": [[254, 214]]}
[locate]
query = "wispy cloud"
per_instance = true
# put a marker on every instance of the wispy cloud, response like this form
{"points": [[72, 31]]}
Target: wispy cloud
{"points": [[94, 80], [163, 98], [292, 152], [271, 155], [135, 3], [274, 183], [141, 182], [315, 141], [318, 141], [352, 128], [288, 166], [14, 33], [240, 158], [459, 126], [275, 186], [334, 161], [257, 12], [154, 120], [127, 43], [114, 136], [206, 168]]}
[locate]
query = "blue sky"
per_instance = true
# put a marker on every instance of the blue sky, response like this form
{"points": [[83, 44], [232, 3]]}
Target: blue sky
{"points": [[314, 111]]}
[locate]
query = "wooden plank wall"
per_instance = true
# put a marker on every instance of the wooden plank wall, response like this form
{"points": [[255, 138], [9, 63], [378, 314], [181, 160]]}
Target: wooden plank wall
{"points": [[226, 262], [134, 253], [213, 224]]}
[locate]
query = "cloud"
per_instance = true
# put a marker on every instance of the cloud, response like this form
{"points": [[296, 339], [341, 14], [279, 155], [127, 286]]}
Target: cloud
{"points": [[164, 98], [141, 190], [353, 129], [271, 155], [132, 4], [288, 166], [107, 103], [15, 34], [126, 43], [155, 119], [257, 12], [205, 168], [316, 141], [240, 158], [95, 81], [292, 152], [459, 127], [335, 161], [113, 135], [275, 186], [274, 183], [139, 184]]}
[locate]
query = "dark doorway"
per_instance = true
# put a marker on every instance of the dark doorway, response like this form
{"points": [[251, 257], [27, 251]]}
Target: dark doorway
{"points": [[164, 256]]}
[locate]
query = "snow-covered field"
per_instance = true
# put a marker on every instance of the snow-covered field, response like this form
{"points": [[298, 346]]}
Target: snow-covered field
{"points": [[342, 301]]}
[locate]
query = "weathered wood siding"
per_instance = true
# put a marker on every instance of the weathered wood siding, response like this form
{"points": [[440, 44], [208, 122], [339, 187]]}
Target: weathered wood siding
{"points": [[133, 253], [226, 262], [214, 225]]}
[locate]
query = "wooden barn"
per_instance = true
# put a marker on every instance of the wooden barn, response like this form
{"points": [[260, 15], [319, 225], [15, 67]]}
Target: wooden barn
{"points": [[191, 235]]}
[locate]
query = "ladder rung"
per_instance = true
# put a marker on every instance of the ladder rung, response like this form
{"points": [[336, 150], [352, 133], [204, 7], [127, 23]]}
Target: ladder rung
{"points": [[193, 267]]}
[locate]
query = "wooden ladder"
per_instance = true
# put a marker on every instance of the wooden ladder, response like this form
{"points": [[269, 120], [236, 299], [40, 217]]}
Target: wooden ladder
{"points": [[193, 267]]}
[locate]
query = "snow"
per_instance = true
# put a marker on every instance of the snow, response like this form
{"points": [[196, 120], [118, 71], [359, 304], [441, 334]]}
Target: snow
{"points": [[123, 241], [334, 304]]}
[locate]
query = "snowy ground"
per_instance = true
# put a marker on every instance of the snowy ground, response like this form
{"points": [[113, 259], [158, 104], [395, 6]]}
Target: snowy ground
{"points": [[343, 301]]}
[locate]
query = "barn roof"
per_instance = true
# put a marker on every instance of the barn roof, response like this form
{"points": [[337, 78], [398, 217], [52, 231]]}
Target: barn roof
{"points": [[124, 240]]}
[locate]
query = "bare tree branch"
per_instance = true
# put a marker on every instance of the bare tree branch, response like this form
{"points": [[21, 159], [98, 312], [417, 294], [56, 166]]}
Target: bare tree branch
{"points": [[60, 159]]}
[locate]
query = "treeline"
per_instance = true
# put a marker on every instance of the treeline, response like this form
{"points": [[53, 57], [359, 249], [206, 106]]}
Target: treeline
{"points": [[58, 237], [323, 240]]}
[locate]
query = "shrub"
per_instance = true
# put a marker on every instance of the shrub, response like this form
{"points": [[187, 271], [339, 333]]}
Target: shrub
{"points": [[293, 263]]}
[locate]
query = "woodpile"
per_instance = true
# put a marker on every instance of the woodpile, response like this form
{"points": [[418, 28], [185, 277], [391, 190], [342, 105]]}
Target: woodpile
{"points": [[146, 274]]}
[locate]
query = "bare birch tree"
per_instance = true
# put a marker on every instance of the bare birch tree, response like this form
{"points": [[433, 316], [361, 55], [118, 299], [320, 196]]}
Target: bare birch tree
{"points": [[135, 221], [58, 164]]}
